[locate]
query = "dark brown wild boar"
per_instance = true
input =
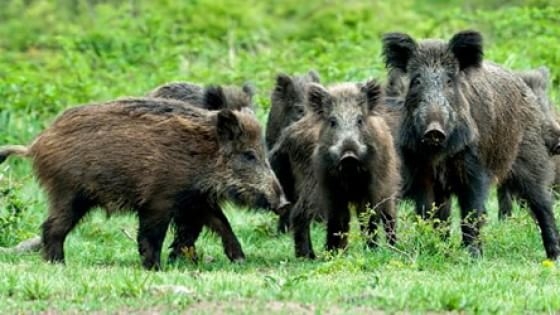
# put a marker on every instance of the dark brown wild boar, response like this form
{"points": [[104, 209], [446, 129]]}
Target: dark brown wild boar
{"points": [[186, 161], [466, 122], [354, 161], [286, 107], [212, 97]]}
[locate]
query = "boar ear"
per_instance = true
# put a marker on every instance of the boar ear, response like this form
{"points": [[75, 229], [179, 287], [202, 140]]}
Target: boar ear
{"points": [[467, 48], [372, 90], [545, 74], [285, 86], [228, 126], [536, 79], [214, 97], [318, 99], [314, 76], [398, 48], [249, 89]]}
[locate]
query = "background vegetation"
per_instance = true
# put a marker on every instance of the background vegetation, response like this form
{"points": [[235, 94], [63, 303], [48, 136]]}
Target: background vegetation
{"points": [[57, 54]]}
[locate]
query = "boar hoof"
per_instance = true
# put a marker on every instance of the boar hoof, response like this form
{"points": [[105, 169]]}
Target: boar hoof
{"points": [[235, 256], [475, 251], [307, 255]]}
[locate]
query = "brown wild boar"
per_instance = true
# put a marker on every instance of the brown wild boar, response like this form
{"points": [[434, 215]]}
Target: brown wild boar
{"points": [[164, 160], [466, 123], [354, 161]]}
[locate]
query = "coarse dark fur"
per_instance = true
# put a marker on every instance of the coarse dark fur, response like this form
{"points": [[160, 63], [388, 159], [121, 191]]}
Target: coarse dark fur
{"points": [[466, 123], [185, 163], [287, 103], [286, 107], [355, 163], [538, 80], [212, 97]]}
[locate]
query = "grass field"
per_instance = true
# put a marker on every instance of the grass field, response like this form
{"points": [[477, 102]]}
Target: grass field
{"points": [[57, 54]]}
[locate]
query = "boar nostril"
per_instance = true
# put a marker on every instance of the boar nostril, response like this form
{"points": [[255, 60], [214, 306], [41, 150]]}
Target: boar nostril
{"points": [[435, 133]]}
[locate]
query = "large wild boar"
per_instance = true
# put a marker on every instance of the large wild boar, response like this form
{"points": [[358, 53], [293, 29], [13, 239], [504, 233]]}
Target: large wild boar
{"points": [[354, 162], [212, 97], [465, 123], [168, 162], [286, 107], [538, 80]]}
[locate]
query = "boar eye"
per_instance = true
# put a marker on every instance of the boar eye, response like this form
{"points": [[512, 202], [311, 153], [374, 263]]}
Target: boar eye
{"points": [[416, 81], [360, 121], [332, 122], [250, 156], [448, 81]]}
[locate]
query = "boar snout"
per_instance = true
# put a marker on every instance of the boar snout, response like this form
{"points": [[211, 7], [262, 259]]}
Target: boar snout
{"points": [[434, 134], [281, 201], [275, 199], [348, 150]]}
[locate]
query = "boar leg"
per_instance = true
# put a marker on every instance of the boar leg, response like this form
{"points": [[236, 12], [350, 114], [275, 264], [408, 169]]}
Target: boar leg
{"points": [[443, 212], [64, 213], [540, 203], [504, 201], [338, 224], [424, 196], [280, 164], [284, 222], [389, 219], [300, 222], [472, 191], [220, 224], [186, 234], [151, 233], [531, 178]]}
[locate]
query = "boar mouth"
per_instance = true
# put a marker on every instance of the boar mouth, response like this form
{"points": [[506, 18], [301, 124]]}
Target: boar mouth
{"points": [[349, 163]]}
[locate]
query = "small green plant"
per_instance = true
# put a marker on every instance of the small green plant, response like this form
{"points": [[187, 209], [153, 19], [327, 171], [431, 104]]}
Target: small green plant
{"points": [[12, 213]]}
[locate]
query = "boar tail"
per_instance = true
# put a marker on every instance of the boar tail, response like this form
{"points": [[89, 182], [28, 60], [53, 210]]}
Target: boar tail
{"points": [[13, 150]]}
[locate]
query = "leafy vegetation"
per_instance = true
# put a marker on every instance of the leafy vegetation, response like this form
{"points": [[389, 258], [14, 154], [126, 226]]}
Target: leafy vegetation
{"points": [[57, 54]]}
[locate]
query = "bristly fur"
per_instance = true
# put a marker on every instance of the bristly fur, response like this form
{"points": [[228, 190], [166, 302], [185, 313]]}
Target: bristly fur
{"points": [[374, 182]]}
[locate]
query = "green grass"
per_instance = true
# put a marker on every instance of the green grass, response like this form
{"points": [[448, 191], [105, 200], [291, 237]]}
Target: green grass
{"points": [[57, 54]]}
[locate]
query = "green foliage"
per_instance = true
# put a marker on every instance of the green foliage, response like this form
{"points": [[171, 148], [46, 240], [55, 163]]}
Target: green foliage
{"points": [[57, 54]]}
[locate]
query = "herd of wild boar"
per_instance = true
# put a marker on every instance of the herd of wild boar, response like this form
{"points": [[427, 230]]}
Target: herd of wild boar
{"points": [[446, 123]]}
